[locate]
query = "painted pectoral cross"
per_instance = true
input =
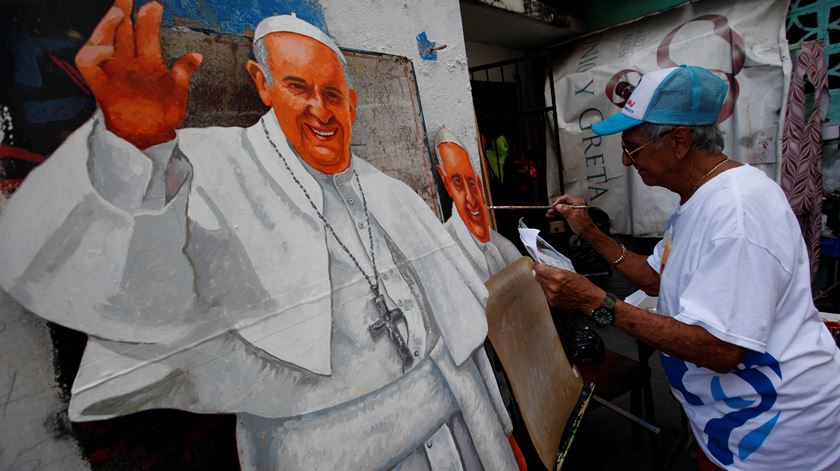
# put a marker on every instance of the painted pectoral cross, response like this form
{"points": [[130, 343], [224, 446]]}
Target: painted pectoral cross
{"points": [[387, 324]]}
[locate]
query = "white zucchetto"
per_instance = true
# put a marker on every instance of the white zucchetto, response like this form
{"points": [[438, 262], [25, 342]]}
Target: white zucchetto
{"points": [[293, 24]]}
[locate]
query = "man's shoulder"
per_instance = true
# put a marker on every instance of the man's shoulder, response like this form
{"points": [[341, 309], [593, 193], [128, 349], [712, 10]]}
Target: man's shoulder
{"points": [[388, 195], [507, 249], [211, 136], [380, 180], [214, 151], [366, 170], [754, 199]]}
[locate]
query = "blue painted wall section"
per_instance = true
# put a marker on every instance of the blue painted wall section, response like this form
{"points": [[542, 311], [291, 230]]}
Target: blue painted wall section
{"points": [[238, 17], [428, 49]]}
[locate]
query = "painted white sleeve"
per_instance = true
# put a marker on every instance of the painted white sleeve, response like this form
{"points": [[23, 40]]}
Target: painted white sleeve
{"points": [[129, 178], [106, 261], [734, 293]]}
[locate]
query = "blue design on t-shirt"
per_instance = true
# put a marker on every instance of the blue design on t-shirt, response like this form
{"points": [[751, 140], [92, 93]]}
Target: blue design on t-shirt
{"points": [[720, 429], [754, 439], [732, 402], [675, 369]]}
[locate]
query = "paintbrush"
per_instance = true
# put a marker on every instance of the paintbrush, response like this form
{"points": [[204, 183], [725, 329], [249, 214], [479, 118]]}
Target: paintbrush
{"points": [[573, 206]]}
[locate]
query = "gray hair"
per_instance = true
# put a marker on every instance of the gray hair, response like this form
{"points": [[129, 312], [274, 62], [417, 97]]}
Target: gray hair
{"points": [[261, 55], [707, 139]]}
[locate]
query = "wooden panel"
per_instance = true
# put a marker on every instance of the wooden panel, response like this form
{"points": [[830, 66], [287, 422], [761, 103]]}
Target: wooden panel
{"points": [[524, 338]]}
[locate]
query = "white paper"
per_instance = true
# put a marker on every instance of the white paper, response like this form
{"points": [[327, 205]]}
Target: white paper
{"points": [[529, 239], [542, 251], [641, 300], [830, 316]]}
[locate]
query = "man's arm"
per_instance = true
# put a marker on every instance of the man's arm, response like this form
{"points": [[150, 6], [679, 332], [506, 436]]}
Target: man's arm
{"points": [[688, 342], [633, 267], [668, 335]]}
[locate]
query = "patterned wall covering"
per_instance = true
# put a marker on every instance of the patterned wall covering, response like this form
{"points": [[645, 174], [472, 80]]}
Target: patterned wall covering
{"points": [[819, 19]]}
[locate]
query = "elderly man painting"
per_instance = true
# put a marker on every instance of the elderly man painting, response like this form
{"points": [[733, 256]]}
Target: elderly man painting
{"points": [[487, 250], [742, 343], [265, 272]]}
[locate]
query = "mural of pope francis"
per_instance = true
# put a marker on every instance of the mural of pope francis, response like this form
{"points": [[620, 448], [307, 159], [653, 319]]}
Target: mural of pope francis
{"points": [[262, 271]]}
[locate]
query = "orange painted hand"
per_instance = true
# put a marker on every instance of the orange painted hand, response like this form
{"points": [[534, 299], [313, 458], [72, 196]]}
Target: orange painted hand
{"points": [[143, 100]]}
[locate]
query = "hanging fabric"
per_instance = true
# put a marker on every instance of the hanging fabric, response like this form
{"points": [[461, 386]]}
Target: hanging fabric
{"points": [[801, 177], [496, 155]]}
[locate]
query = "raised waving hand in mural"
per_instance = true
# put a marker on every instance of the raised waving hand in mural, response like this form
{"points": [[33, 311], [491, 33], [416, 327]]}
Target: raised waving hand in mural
{"points": [[142, 99]]}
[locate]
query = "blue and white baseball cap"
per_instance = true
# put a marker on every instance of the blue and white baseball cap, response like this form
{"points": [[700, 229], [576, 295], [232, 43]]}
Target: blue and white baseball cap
{"points": [[686, 95]]}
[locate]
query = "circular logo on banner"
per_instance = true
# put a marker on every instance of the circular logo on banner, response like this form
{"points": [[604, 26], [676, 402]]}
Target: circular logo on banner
{"points": [[621, 86], [737, 56]]}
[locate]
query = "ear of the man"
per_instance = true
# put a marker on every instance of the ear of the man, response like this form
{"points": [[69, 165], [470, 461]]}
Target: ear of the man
{"points": [[260, 81], [681, 141]]}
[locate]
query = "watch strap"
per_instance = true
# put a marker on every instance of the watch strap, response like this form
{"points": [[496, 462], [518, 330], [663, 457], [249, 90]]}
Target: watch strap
{"points": [[609, 301]]}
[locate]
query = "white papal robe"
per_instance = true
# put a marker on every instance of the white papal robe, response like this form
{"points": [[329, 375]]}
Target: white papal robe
{"points": [[207, 283], [488, 258]]}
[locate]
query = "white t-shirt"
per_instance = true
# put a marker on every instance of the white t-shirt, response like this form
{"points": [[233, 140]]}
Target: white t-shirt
{"points": [[735, 264]]}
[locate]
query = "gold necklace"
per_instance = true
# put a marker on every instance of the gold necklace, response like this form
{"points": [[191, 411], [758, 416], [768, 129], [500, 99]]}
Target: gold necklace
{"points": [[693, 190]]}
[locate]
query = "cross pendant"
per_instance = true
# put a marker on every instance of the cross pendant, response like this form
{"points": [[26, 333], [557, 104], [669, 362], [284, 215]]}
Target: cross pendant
{"points": [[387, 324]]}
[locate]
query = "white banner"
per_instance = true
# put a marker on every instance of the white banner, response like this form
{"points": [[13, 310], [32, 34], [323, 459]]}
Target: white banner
{"points": [[742, 42]]}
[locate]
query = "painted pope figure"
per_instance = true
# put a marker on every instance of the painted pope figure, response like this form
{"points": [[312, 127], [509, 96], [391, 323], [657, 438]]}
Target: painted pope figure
{"points": [[488, 251], [264, 271]]}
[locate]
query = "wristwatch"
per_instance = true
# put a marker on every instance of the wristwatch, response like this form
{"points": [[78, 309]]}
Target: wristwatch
{"points": [[604, 315]]}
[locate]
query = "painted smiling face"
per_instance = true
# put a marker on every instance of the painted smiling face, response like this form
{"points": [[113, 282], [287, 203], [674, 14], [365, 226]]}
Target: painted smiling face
{"points": [[311, 99], [464, 187]]}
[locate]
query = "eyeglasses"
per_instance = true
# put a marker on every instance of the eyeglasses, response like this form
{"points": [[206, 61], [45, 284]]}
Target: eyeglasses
{"points": [[629, 152]]}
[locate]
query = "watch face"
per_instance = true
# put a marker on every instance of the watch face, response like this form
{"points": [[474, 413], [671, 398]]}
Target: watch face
{"points": [[603, 316]]}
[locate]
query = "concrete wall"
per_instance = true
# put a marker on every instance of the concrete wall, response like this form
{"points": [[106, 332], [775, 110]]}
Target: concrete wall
{"points": [[35, 431], [392, 27]]}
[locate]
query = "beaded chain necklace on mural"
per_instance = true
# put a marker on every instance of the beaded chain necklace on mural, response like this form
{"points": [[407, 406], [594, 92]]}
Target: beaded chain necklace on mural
{"points": [[388, 318]]}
